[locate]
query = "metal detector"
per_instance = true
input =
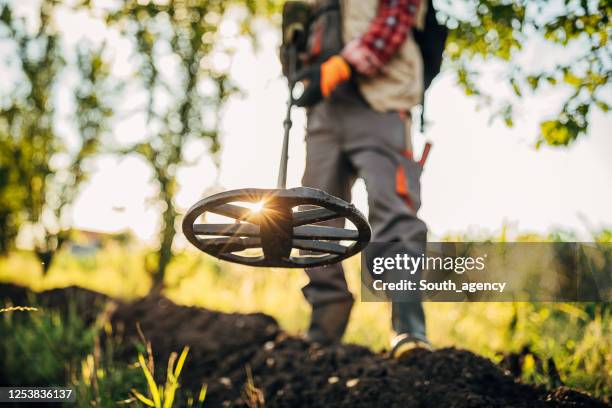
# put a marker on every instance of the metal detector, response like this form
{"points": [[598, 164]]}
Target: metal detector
{"points": [[277, 227]]}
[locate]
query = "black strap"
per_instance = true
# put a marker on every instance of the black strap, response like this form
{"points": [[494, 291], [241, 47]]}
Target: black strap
{"points": [[331, 6]]}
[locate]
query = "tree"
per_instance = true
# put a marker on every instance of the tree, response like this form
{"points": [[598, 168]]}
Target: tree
{"points": [[40, 174], [497, 30], [185, 32]]}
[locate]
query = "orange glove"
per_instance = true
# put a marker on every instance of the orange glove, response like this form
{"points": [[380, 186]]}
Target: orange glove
{"points": [[322, 80]]}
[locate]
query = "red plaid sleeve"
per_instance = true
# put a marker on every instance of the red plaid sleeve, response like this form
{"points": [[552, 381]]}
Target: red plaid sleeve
{"points": [[389, 29]]}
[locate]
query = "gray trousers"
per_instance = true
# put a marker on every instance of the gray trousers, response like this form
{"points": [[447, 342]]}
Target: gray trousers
{"points": [[345, 139]]}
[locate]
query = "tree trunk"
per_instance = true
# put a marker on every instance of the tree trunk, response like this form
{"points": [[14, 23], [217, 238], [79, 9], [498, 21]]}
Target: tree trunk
{"points": [[165, 249], [45, 257], [8, 231], [53, 243]]}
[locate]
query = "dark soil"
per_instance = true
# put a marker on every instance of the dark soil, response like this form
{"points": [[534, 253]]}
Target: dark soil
{"points": [[88, 304], [291, 372]]}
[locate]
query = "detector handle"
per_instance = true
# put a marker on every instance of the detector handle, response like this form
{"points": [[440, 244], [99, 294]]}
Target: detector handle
{"points": [[287, 123]]}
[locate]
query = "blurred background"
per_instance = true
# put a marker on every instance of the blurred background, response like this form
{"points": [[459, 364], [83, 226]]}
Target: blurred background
{"points": [[116, 116]]}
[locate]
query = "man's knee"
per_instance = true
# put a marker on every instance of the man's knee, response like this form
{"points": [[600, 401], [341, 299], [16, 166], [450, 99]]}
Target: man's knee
{"points": [[391, 218], [393, 198], [400, 228]]}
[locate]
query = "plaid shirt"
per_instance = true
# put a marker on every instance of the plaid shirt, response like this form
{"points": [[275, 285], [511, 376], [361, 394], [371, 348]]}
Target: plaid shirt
{"points": [[389, 29]]}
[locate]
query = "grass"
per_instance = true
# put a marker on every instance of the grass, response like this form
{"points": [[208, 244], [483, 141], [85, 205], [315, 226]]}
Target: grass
{"points": [[165, 395], [48, 344], [576, 337], [52, 349]]}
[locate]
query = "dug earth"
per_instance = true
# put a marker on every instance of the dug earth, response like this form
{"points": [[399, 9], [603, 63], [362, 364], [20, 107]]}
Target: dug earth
{"points": [[291, 372]]}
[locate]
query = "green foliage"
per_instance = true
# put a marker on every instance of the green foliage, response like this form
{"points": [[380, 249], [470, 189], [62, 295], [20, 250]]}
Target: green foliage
{"points": [[40, 174], [576, 353], [102, 381], [11, 200], [48, 348], [40, 348], [165, 395], [186, 32], [498, 30]]}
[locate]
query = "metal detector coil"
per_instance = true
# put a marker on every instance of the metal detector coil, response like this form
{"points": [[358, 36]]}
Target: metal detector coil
{"points": [[279, 222], [278, 227]]}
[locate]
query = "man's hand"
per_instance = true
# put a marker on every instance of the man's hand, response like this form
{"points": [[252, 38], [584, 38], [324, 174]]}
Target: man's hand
{"points": [[362, 59], [322, 80]]}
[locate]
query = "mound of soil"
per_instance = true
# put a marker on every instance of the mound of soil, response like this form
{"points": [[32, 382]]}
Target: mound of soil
{"points": [[212, 336], [14, 295], [88, 304], [291, 372]]}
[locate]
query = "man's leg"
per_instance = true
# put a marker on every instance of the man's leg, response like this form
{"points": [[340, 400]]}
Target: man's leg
{"points": [[378, 152], [327, 169]]}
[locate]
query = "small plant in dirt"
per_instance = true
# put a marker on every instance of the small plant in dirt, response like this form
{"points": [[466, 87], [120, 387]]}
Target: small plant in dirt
{"points": [[102, 381], [253, 396], [164, 395]]}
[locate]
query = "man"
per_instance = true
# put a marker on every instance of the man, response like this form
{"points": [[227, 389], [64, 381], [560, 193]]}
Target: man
{"points": [[364, 73]]}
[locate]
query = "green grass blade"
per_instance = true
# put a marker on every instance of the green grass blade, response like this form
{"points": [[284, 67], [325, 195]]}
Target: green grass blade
{"points": [[181, 363], [143, 399], [202, 395], [150, 381]]}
